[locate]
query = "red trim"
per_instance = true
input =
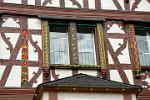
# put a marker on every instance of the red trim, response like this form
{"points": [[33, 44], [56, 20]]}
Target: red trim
{"points": [[17, 91]]}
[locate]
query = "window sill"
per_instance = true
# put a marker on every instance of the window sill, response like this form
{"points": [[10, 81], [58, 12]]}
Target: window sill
{"points": [[57, 66], [145, 67]]}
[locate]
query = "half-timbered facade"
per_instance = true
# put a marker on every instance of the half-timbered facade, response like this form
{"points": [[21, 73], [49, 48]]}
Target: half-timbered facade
{"points": [[46, 40]]}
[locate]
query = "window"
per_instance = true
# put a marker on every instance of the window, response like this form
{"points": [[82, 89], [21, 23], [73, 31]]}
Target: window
{"points": [[60, 46], [143, 43], [86, 45]]}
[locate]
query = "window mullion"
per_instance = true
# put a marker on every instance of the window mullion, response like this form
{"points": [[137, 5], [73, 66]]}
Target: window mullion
{"points": [[45, 43], [101, 46], [73, 43]]}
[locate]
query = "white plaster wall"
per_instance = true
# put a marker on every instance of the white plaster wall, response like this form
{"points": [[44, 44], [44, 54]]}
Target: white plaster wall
{"points": [[13, 38], [115, 28], [129, 75], [125, 58], [38, 39], [89, 96], [133, 97], [110, 60], [31, 2], [2, 68], [88, 72], [131, 3], [108, 4], [14, 79], [45, 96], [54, 3], [32, 71], [91, 4], [13, 1], [121, 2], [143, 6], [32, 54], [4, 53], [115, 43], [114, 75], [10, 22], [34, 23], [62, 73], [19, 54], [69, 4]]}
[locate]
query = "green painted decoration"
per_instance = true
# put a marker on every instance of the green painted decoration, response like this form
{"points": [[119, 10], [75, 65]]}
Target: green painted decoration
{"points": [[101, 46], [74, 43], [24, 61], [133, 48], [45, 43]]}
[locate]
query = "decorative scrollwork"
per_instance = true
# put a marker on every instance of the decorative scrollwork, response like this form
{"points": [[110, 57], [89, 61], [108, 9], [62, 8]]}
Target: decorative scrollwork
{"points": [[46, 2], [74, 2], [135, 4]]}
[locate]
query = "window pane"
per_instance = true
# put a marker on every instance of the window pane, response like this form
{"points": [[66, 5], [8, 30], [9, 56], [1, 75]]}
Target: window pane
{"points": [[86, 46], [59, 48], [143, 41]]}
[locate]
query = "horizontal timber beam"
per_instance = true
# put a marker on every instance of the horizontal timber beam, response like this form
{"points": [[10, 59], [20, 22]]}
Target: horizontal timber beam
{"points": [[16, 91], [73, 14]]}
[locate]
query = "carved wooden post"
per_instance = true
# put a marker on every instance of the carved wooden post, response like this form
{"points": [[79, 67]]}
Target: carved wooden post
{"points": [[45, 47], [133, 47], [73, 44], [101, 50], [24, 62]]}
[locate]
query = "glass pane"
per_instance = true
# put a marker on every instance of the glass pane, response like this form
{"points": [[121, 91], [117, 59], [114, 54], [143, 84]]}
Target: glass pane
{"points": [[86, 46], [142, 38], [59, 48]]}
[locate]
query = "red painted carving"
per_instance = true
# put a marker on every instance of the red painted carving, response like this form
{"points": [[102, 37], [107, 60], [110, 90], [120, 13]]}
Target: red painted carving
{"points": [[15, 50]]}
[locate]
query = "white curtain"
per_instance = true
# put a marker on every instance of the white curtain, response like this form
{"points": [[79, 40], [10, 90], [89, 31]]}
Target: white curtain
{"points": [[86, 48], [143, 47], [59, 48]]}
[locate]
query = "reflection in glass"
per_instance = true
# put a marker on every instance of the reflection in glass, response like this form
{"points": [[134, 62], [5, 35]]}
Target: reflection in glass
{"points": [[59, 48], [86, 48], [143, 43]]}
